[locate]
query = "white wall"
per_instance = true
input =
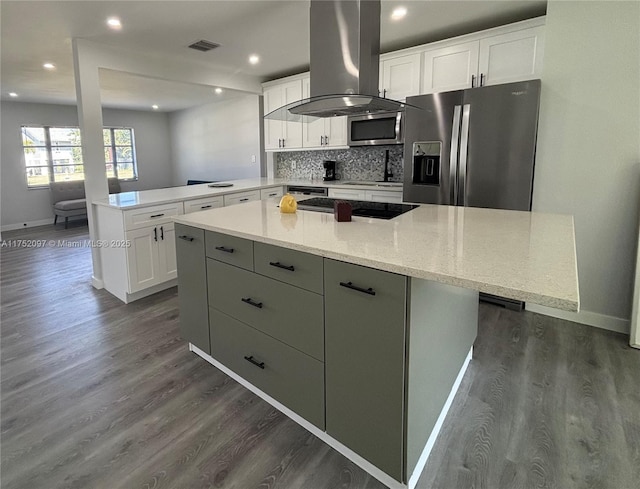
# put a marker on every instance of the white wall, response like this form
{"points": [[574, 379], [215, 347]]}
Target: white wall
{"points": [[217, 141], [21, 205], [588, 156]]}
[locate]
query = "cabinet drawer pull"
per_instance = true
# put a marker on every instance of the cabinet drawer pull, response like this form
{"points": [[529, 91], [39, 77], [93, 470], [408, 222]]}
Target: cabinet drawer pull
{"points": [[226, 250], [277, 264], [162, 233], [273, 194], [155, 234], [186, 238], [349, 285], [481, 79], [206, 206], [157, 215], [473, 81], [251, 302], [244, 200], [255, 362]]}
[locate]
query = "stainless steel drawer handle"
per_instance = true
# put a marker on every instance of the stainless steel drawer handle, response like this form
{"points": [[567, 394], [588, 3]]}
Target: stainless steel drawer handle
{"points": [[277, 264], [349, 285], [251, 302], [186, 238], [255, 362], [157, 215], [226, 250], [206, 206]]}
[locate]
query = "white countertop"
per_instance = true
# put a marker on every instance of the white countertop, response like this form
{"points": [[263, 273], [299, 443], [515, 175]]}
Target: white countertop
{"points": [[145, 198], [525, 256]]}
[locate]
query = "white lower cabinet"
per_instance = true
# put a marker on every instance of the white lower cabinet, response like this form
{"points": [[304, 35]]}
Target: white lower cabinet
{"points": [[198, 205], [241, 197], [151, 256], [372, 195]]}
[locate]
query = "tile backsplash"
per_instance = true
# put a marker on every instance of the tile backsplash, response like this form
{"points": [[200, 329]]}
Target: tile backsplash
{"points": [[366, 163]]}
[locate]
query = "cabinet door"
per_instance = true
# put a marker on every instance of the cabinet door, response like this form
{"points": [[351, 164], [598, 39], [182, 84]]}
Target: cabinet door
{"points": [[168, 267], [312, 132], [292, 92], [192, 286], [364, 362], [450, 68], [401, 77], [339, 193], [512, 57], [273, 129], [336, 131], [142, 258]]}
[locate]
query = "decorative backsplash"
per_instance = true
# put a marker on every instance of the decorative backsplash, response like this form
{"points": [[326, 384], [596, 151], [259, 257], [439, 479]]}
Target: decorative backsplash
{"points": [[366, 163]]}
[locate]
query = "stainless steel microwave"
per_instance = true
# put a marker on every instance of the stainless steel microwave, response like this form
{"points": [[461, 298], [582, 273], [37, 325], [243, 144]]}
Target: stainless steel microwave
{"points": [[374, 129]]}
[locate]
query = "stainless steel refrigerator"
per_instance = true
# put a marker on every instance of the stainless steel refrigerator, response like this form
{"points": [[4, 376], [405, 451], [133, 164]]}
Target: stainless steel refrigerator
{"points": [[472, 147]]}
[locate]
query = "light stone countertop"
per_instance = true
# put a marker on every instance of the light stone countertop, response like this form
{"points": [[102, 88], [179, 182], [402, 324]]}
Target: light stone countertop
{"points": [[146, 198], [525, 256]]}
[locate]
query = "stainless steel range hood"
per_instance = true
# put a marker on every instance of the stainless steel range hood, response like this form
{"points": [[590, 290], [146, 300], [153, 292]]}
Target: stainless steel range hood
{"points": [[345, 60]]}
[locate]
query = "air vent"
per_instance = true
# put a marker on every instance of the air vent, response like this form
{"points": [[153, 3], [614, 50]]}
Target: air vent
{"points": [[203, 45]]}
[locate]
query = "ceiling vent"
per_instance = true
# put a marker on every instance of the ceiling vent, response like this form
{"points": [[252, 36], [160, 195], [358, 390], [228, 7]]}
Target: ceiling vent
{"points": [[203, 45]]}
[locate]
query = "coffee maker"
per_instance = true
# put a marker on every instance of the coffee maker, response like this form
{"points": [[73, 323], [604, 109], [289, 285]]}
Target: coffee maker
{"points": [[329, 170]]}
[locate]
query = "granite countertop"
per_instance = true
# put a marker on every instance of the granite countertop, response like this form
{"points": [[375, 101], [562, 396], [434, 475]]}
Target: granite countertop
{"points": [[145, 198], [525, 256]]}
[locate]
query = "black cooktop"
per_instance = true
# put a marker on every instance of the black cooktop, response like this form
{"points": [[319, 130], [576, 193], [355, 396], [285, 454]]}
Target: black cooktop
{"points": [[362, 208]]}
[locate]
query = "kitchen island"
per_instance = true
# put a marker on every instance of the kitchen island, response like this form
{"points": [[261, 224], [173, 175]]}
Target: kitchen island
{"points": [[361, 331]]}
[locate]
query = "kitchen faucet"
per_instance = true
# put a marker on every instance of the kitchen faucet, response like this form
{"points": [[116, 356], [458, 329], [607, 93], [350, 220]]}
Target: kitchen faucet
{"points": [[387, 172]]}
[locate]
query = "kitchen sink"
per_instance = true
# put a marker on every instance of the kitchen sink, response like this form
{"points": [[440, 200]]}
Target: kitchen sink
{"points": [[374, 184]]}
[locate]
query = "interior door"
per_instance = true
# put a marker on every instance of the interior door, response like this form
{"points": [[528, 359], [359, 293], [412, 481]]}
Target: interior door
{"points": [[503, 121], [436, 120]]}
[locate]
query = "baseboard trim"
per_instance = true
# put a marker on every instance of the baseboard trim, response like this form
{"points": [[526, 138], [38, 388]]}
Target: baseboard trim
{"points": [[364, 464], [97, 283], [28, 224], [602, 321]]}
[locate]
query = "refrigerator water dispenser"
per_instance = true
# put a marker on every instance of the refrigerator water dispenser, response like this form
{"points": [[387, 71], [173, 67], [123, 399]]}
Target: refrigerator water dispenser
{"points": [[426, 162]]}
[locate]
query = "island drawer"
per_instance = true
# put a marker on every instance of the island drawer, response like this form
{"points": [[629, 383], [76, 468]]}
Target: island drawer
{"points": [[290, 314], [286, 374], [290, 266], [150, 216], [241, 197], [267, 193], [197, 205], [229, 249]]}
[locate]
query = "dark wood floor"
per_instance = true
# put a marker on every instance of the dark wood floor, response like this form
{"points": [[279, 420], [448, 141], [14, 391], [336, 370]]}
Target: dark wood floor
{"points": [[98, 394]]}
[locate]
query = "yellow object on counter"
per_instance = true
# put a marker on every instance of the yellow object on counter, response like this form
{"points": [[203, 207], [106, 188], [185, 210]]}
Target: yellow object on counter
{"points": [[288, 204]]}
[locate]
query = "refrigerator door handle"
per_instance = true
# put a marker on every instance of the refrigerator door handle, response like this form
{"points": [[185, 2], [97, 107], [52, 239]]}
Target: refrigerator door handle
{"points": [[464, 142], [453, 156]]}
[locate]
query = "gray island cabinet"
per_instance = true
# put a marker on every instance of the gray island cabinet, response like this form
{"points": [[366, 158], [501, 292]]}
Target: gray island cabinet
{"points": [[367, 356], [361, 331]]}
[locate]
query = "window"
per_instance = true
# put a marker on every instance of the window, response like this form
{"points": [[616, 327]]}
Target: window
{"points": [[54, 154]]}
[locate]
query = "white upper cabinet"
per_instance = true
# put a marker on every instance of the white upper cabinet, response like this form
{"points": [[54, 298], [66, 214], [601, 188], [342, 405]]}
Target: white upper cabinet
{"points": [[511, 57], [327, 132], [450, 68], [281, 134], [400, 77]]}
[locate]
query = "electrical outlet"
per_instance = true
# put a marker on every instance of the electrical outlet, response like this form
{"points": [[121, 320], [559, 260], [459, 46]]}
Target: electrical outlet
{"points": [[293, 165], [253, 158]]}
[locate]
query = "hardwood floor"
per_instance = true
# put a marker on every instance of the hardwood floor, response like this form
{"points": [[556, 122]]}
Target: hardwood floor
{"points": [[99, 394]]}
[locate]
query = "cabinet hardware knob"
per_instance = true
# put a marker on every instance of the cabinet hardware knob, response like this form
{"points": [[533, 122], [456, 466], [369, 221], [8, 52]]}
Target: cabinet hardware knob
{"points": [[255, 362], [155, 234], [277, 264], [186, 238], [251, 302], [226, 250], [157, 215], [349, 285]]}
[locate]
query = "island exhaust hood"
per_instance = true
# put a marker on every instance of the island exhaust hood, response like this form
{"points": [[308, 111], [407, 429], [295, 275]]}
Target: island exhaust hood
{"points": [[345, 60]]}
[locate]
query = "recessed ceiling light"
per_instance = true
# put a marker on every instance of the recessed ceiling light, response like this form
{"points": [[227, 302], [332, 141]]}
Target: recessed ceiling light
{"points": [[398, 13], [49, 66], [114, 23], [155, 107], [13, 94], [254, 59], [218, 90]]}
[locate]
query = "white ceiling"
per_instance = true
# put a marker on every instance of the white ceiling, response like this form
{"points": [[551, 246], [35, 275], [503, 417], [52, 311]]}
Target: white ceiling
{"points": [[35, 32]]}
